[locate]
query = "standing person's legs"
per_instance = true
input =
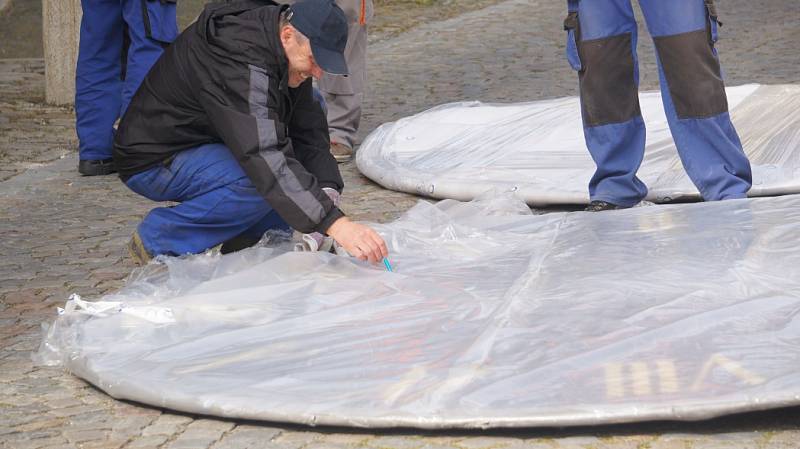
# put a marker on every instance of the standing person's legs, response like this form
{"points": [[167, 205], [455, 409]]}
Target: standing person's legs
{"points": [[684, 32], [98, 84], [151, 26], [344, 95], [601, 46], [217, 202]]}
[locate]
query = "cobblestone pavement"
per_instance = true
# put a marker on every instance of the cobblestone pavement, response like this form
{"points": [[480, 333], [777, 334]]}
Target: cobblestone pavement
{"points": [[60, 233]]}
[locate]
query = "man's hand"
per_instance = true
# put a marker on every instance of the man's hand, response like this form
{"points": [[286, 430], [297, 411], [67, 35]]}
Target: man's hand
{"points": [[359, 240]]}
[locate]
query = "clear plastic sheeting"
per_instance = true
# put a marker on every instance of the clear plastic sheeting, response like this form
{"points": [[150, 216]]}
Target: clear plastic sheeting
{"points": [[493, 317], [461, 150]]}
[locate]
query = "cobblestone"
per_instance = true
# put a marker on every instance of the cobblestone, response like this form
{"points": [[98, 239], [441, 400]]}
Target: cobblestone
{"points": [[326, 445], [247, 437], [295, 439], [61, 233], [787, 439], [37, 443], [532, 445], [346, 439], [437, 446], [79, 413], [487, 443], [166, 425], [82, 436], [396, 442], [147, 442]]}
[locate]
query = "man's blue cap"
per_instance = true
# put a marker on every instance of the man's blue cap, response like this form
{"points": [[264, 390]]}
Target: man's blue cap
{"points": [[325, 25]]}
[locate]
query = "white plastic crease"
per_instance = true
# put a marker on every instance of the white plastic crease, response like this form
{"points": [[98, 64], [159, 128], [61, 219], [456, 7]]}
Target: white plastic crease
{"points": [[105, 308], [493, 317], [537, 149]]}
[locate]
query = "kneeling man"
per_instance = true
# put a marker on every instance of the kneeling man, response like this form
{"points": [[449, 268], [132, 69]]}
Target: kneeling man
{"points": [[226, 124]]}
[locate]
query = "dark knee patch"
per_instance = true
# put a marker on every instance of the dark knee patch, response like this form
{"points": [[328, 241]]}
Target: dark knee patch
{"points": [[693, 74], [608, 89]]}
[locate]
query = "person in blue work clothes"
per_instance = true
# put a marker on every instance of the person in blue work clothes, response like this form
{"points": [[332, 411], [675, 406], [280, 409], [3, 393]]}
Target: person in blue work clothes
{"points": [[601, 46], [226, 124], [119, 41]]}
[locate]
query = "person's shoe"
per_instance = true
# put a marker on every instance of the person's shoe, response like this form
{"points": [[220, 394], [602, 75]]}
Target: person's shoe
{"points": [[597, 206], [97, 167], [238, 243], [136, 249], [341, 152]]}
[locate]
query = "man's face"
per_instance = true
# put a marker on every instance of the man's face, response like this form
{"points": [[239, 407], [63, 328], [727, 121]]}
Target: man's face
{"points": [[301, 60]]}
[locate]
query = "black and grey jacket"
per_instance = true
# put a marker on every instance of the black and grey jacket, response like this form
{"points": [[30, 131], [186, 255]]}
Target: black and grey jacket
{"points": [[225, 79]]}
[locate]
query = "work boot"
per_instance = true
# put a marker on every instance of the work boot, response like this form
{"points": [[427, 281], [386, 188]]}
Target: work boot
{"points": [[136, 249], [238, 243], [341, 152], [97, 167], [597, 206]]}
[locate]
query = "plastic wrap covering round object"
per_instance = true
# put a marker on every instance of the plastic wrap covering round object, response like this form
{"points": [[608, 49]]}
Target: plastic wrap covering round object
{"points": [[493, 317], [461, 150]]}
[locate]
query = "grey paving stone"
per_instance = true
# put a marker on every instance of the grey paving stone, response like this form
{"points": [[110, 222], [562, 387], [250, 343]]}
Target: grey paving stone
{"points": [[292, 438], [208, 427], [16, 438], [25, 400], [13, 418], [247, 437], [534, 444], [788, 439], [166, 424], [671, 443], [438, 446], [578, 441], [190, 443], [723, 445], [487, 442], [351, 439], [37, 443], [44, 372], [739, 439], [66, 402], [627, 442], [84, 435], [395, 442], [147, 442], [322, 444], [92, 418], [94, 397], [124, 409], [40, 423], [130, 425], [105, 444], [755, 436], [200, 434]]}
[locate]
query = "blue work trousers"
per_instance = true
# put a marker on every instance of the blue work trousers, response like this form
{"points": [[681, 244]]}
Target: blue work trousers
{"points": [[101, 93], [217, 201], [601, 46]]}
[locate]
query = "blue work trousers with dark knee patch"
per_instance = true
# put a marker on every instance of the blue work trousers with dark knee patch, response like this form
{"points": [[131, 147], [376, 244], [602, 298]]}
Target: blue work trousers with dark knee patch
{"points": [[217, 202], [601, 46], [101, 93]]}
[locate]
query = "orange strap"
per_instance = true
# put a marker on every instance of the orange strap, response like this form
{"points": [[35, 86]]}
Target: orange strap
{"points": [[363, 19]]}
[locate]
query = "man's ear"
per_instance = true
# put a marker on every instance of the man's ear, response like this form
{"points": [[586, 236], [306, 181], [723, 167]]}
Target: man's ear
{"points": [[286, 34]]}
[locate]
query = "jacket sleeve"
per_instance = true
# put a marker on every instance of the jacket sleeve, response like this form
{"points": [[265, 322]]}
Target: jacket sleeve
{"points": [[242, 110], [308, 129]]}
